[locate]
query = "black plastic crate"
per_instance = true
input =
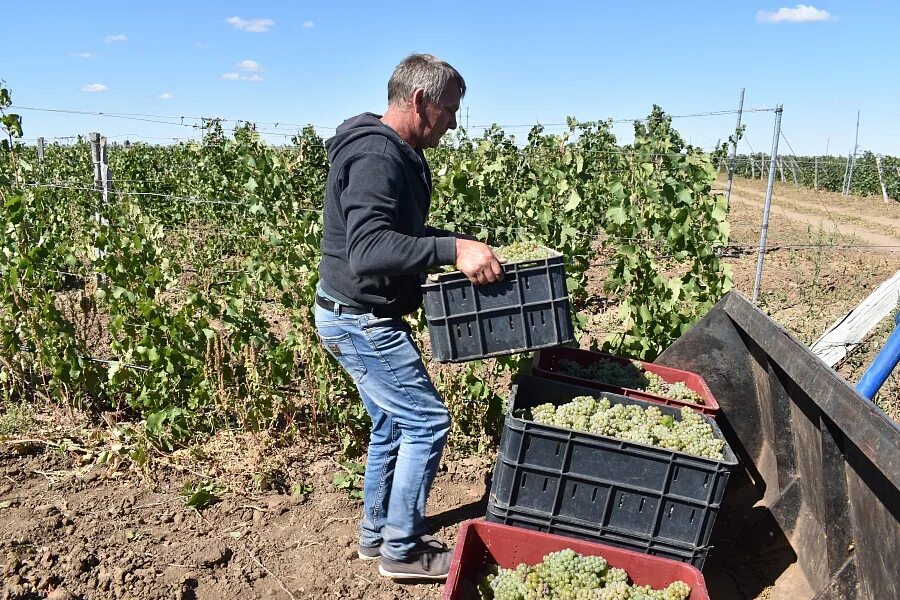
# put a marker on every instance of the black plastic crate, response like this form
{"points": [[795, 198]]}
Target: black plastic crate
{"points": [[528, 310], [683, 553], [601, 487]]}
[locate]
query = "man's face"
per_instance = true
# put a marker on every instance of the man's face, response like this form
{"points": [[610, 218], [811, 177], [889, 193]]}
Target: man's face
{"points": [[440, 116]]}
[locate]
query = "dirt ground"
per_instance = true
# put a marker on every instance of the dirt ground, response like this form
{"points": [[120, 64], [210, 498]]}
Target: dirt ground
{"points": [[72, 528], [84, 534]]}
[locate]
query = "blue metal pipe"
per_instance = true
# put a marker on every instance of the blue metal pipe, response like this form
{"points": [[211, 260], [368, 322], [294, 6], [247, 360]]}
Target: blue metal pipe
{"points": [[882, 366]]}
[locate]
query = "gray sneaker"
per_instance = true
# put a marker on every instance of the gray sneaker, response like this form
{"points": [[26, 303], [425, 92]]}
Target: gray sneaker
{"points": [[429, 560], [374, 552], [369, 552]]}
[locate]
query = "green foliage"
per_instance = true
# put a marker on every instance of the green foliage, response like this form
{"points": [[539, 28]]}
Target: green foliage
{"points": [[16, 418], [11, 126], [663, 216], [200, 495], [829, 173], [350, 478], [186, 300]]}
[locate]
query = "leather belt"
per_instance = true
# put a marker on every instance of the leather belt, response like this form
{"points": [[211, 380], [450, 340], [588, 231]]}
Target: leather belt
{"points": [[345, 309]]}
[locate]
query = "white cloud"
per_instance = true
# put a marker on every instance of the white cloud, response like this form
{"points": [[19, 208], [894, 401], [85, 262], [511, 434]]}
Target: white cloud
{"points": [[802, 13], [249, 65], [199, 45], [309, 24], [166, 96], [240, 77], [84, 55], [252, 25], [119, 37], [94, 87]]}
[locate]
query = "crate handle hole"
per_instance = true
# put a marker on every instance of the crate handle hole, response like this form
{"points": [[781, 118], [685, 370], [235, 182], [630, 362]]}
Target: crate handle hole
{"points": [[524, 475], [675, 474], [706, 481], [527, 285], [469, 328], [621, 500], [556, 453], [546, 481], [463, 290], [490, 326], [574, 487], [641, 506], [511, 322], [692, 516], [458, 332], [543, 322], [671, 510], [531, 318], [594, 496]]}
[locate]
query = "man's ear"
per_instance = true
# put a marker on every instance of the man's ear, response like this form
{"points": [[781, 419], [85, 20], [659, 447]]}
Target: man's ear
{"points": [[418, 100]]}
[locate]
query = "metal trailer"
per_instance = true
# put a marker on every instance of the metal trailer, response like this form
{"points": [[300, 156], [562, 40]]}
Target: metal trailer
{"points": [[814, 509]]}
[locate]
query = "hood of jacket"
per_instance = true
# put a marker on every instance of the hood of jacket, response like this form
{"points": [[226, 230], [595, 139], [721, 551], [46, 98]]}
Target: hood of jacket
{"points": [[366, 124]]}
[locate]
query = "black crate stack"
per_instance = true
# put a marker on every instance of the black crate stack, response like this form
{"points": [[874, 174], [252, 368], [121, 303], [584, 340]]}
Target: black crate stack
{"points": [[574, 483], [599, 488]]}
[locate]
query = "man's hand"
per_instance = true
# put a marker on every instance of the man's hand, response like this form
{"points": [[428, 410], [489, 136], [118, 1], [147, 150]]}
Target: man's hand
{"points": [[478, 262]]}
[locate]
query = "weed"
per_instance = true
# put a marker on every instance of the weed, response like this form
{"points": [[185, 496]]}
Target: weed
{"points": [[200, 495], [350, 478], [16, 419]]}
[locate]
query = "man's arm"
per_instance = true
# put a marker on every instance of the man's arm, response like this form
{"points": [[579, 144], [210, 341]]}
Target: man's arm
{"points": [[438, 232], [369, 204], [374, 247]]}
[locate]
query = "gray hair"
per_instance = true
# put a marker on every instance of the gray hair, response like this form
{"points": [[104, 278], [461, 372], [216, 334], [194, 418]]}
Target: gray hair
{"points": [[423, 71]]}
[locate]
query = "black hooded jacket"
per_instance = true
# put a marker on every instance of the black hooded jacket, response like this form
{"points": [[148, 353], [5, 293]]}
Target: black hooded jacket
{"points": [[376, 246]]}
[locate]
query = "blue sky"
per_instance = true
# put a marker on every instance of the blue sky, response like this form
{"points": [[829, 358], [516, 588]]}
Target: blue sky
{"points": [[525, 62]]}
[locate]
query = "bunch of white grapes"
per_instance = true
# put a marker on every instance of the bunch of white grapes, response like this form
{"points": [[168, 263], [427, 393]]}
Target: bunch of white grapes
{"points": [[633, 423], [515, 252], [567, 575], [521, 251], [632, 376]]}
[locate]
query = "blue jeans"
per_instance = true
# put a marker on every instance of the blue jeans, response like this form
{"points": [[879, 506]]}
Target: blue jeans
{"points": [[409, 424]]}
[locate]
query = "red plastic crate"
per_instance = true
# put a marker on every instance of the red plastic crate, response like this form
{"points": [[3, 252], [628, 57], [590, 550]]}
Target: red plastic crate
{"points": [[546, 361], [482, 544]]}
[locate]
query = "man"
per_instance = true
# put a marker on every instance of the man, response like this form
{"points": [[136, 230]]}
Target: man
{"points": [[375, 248]]}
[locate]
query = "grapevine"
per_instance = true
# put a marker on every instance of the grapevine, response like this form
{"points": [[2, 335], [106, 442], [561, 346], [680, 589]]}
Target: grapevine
{"points": [[567, 575], [185, 296], [632, 376], [633, 423]]}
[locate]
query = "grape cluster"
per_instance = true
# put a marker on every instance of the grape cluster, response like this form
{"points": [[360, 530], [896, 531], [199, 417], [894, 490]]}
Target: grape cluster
{"points": [[632, 376], [515, 252], [567, 575], [633, 423], [521, 251]]}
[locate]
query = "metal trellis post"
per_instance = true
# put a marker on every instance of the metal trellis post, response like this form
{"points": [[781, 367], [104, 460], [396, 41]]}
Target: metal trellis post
{"points": [[844, 186], [95, 158], [765, 222], [816, 179], [104, 172], [881, 178], [737, 129], [853, 163]]}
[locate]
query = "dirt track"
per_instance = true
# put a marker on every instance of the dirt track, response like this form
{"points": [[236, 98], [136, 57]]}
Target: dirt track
{"points": [[865, 225]]}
